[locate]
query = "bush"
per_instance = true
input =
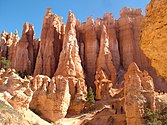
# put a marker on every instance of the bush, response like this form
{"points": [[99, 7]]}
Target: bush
{"points": [[90, 96], [4, 63], [156, 117]]}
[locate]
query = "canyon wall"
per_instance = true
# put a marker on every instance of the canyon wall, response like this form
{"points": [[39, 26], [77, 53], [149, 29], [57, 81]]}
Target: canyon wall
{"points": [[103, 44], [153, 36], [50, 45], [70, 57], [129, 25]]}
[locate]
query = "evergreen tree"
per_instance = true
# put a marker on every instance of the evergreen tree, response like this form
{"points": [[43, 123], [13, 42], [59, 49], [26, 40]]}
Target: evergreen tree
{"points": [[90, 97]]}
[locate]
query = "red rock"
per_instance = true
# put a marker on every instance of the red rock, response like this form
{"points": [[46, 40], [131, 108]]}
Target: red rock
{"points": [[105, 70], [70, 66], [50, 45], [24, 56], [129, 36], [16, 90], [91, 51], [8, 46], [111, 28], [53, 92], [138, 93]]}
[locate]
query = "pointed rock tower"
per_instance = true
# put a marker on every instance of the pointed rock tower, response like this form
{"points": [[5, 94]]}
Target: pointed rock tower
{"points": [[106, 72], [70, 67]]}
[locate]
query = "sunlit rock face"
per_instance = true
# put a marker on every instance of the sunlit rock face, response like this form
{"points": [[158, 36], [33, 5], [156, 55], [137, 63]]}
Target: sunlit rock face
{"points": [[138, 93], [15, 90], [24, 56], [70, 67], [50, 45], [8, 42], [129, 25], [153, 36], [53, 92], [105, 72], [103, 54]]}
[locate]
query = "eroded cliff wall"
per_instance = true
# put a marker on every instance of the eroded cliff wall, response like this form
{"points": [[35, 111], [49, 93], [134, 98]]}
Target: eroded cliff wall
{"points": [[154, 35], [100, 43]]}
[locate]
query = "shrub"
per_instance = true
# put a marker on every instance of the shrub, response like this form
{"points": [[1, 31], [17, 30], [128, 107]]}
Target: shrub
{"points": [[4, 63], [156, 117], [90, 96]]}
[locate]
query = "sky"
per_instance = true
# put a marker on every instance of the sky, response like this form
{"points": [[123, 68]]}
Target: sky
{"points": [[13, 13]]}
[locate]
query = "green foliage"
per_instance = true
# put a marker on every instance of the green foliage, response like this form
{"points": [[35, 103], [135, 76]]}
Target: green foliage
{"points": [[4, 63], [151, 118], [90, 96], [163, 116], [155, 118]]}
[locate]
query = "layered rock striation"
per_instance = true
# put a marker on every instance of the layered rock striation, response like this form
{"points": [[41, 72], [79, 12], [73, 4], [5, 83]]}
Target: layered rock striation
{"points": [[69, 57], [24, 55], [153, 36], [42, 56], [71, 68], [50, 45], [129, 25]]}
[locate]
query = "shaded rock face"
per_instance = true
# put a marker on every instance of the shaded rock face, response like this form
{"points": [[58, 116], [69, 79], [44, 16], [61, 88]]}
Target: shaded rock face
{"points": [[129, 36], [104, 60], [103, 85], [138, 93], [91, 50], [50, 45], [71, 67], [111, 29], [153, 36], [53, 92], [89, 35], [106, 72], [15, 90], [24, 55], [106, 117], [21, 53], [8, 43]]}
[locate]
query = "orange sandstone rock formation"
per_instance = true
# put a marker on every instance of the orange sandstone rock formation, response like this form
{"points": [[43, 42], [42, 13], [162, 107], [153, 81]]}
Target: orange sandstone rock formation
{"points": [[50, 45], [111, 29], [8, 42], [154, 36], [105, 71], [24, 55], [70, 67], [15, 90], [138, 93], [51, 97], [91, 50], [129, 36]]}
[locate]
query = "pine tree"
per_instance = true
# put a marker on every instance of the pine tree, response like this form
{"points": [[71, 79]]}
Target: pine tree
{"points": [[90, 97]]}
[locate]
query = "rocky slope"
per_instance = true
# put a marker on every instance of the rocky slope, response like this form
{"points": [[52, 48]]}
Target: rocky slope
{"points": [[68, 58], [153, 37]]}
